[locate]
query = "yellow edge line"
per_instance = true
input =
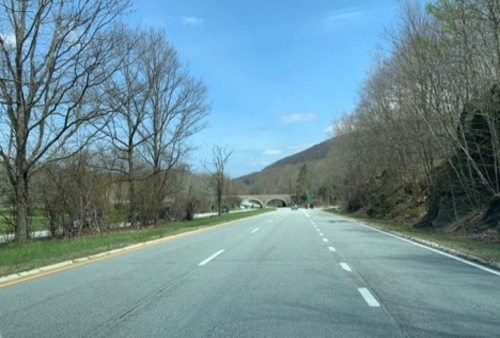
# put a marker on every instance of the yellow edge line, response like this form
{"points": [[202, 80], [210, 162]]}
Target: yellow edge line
{"points": [[106, 256]]}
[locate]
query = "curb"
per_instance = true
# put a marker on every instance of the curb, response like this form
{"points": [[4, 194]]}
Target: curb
{"points": [[57, 266]]}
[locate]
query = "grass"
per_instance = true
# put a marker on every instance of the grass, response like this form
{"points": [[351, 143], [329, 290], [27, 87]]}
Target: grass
{"points": [[17, 257], [37, 221], [480, 250]]}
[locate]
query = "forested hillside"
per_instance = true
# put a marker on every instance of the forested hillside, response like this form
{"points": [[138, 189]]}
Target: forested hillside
{"points": [[307, 173], [423, 143]]}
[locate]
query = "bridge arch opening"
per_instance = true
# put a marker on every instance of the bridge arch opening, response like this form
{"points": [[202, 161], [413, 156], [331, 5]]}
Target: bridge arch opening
{"points": [[276, 202], [262, 201], [251, 203]]}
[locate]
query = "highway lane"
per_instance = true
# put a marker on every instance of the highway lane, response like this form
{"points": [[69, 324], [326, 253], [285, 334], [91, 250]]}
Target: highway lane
{"points": [[286, 273], [280, 282], [428, 293]]}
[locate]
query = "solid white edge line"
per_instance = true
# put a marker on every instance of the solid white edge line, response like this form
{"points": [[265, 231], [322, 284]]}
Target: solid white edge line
{"points": [[369, 299], [211, 257], [255, 230], [332, 249], [494, 272], [346, 267]]}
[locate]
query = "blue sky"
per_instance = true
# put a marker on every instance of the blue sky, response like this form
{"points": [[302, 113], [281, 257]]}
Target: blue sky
{"points": [[279, 72]]}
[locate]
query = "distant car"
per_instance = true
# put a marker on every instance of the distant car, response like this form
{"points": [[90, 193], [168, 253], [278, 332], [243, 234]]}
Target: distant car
{"points": [[295, 206], [224, 210]]}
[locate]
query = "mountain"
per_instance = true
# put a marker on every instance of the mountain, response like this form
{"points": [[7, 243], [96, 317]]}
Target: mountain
{"points": [[282, 175], [318, 152]]}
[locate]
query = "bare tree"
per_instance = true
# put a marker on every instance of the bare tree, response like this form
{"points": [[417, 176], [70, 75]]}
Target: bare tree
{"points": [[194, 196], [176, 110], [428, 108], [127, 94], [53, 55], [75, 195], [220, 158]]}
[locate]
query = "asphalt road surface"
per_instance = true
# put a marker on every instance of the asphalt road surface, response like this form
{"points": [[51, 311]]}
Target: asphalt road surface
{"points": [[302, 273]]}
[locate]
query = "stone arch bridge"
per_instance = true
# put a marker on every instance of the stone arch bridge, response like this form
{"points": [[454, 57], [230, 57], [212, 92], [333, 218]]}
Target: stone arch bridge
{"points": [[263, 200]]}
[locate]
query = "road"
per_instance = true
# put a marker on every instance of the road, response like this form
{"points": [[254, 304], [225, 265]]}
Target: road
{"points": [[303, 273]]}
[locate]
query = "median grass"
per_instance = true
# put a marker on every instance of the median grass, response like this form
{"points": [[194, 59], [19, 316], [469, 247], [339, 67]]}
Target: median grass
{"points": [[485, 251], [17, 257]]}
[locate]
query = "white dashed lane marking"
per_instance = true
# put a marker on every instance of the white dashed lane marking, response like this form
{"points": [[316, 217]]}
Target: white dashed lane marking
{"points": [[211, 258], [365, 293], [345, 266], [369, 299]]}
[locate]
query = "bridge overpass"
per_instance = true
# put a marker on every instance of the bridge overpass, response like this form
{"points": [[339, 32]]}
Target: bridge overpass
{"points": [[263, 200]]}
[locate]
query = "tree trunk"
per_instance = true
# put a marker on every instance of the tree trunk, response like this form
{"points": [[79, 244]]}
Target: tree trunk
{"points": [[21, 174], [22, 207], [131, 189], [219, 200]]}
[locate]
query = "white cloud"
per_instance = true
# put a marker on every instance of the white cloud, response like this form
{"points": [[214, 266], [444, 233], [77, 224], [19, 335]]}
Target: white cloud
{"points": [[257, 164], [272, 152], [343, 15], [192, 21], [298, 117]]}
